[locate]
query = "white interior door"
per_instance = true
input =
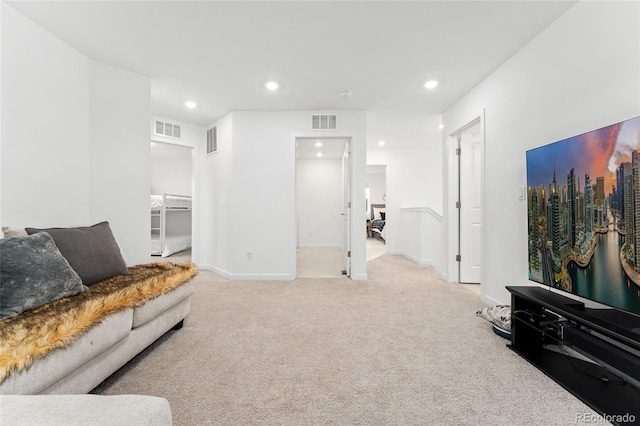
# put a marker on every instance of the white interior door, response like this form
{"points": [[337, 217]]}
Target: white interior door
{"points": [[346, 184], [470, 208]]}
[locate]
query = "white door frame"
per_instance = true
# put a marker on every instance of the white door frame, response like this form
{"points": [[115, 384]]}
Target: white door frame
{"points": [[350, 235], [347, 210], [384, 197], [452, 240], [470, 211], [195, 200]]}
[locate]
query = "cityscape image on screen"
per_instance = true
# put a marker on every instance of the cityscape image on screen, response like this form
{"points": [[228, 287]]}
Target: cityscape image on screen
{"points": [[584, 215]]}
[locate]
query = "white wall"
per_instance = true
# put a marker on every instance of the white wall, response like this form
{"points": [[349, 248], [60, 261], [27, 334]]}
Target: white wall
{"points": [[191, 135], [581, 73], [64, 162], [319, 202], [119, 156], [45, 128], [254, 173], [413, 155], [170, 175], [214, 186], [377, 187], [1, 9], [421, 231]]}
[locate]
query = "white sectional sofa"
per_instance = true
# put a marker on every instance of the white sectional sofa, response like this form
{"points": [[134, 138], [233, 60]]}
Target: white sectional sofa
{"points": [[72, 312], [87, 361]]}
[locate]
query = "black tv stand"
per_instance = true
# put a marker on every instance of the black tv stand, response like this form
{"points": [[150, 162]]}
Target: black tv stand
{"points": [[592, 353], [576, 305]]}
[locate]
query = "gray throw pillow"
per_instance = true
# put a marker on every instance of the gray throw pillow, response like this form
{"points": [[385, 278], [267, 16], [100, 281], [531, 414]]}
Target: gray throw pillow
{"points": [[91, 251], [33, 273]]}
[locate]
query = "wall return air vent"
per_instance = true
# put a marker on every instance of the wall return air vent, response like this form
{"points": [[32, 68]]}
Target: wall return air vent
{"points": [[323, 122], [212, 140], [167, 129]]}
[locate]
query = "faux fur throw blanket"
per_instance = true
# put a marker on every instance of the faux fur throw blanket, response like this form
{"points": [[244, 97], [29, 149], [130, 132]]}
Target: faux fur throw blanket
{"points": [[35, 333]]}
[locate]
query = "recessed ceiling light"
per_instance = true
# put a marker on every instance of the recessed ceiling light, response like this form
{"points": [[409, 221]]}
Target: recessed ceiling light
{"points": [[440, 126], [381, 143], [190, 104], [319, 154], [272, 85], [318, 144], [431, 84]]}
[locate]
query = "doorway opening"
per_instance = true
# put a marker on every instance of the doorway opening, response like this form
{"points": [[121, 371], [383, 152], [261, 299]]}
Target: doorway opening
{"points": [[171, 203], [465, 200], [323, 203], [376, 198]]}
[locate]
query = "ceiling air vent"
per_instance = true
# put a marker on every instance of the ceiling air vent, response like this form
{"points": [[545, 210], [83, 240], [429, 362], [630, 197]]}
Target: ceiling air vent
{"points": [[212, 140], [167, 129], [323, 122]]}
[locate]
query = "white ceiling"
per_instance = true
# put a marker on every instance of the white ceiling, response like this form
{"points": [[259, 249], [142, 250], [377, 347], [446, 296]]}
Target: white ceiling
{"points": [[220, 54]]}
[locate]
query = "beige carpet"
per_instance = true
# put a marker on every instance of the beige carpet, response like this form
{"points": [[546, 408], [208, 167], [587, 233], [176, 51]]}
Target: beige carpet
{"points": [[403, 348]]}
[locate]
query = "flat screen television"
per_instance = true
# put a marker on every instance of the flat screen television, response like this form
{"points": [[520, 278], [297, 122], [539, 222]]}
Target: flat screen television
{"points": [[584, 215]]}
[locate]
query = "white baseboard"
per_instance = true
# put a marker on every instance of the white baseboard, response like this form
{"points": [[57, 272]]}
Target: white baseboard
{"points": [[359, 277], [206, 267], [490, 301], [248, 277], [215, 270], [424, 262]]}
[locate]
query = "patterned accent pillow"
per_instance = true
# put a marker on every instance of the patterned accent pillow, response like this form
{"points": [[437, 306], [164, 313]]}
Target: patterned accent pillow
{"points": [[33, 273]]}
